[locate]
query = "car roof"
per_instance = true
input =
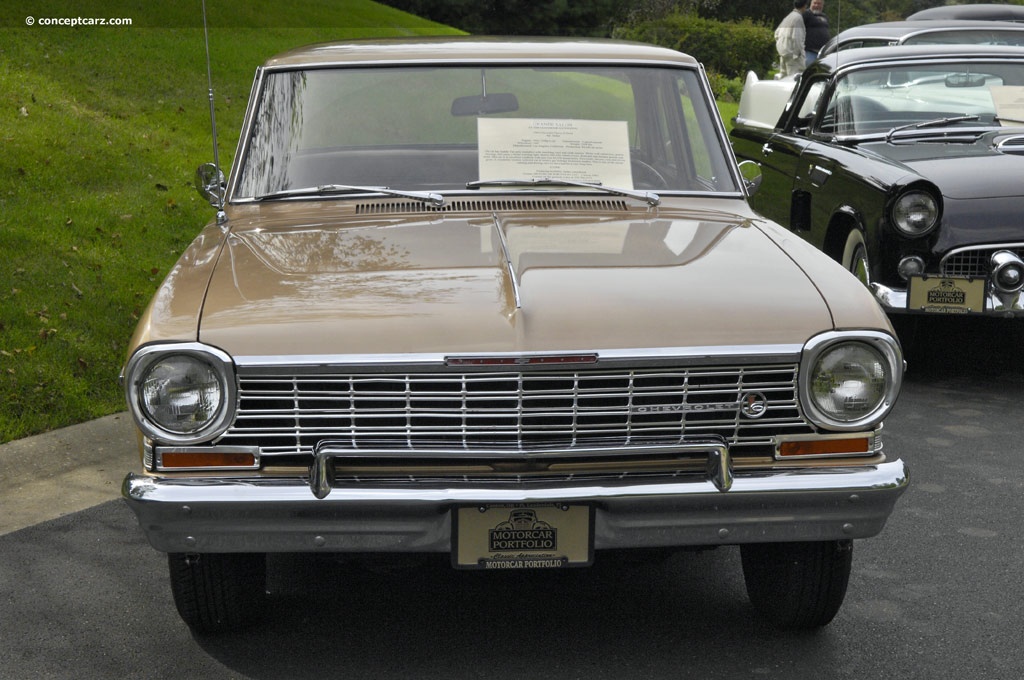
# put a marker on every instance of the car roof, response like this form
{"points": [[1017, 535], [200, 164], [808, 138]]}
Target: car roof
{"points": [[898, 29], [989, 11], [867, 55], [473, 48]]}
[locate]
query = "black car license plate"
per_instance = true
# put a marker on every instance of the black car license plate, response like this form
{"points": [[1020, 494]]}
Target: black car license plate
{"points": [[946, 295]]}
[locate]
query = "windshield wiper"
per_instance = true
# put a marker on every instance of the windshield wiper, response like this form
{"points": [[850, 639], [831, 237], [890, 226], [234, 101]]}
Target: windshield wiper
{"points": [[937, 122], [433, 199], [650, 197]]}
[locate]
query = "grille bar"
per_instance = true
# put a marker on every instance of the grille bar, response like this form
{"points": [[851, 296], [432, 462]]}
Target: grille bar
{"points": [[976, 260], [289, 412]]}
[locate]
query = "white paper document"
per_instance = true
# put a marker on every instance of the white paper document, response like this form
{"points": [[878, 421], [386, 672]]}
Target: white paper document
{"points": [[1009, 101], [533, 148]]}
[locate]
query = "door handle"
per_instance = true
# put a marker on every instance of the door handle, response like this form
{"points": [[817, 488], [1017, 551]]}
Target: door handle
{"points": [[767, 150]]}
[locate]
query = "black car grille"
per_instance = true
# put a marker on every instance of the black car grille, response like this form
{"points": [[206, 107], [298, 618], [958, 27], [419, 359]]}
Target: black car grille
{"points": [[975, 262], [289, 412]]}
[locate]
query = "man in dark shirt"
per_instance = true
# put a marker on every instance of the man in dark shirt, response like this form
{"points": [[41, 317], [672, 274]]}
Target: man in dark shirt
{"points": [[818, 34]]}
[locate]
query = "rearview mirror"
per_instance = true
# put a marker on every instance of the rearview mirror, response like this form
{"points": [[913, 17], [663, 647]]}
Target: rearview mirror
{"points": [[965, 80], [478, 105]]}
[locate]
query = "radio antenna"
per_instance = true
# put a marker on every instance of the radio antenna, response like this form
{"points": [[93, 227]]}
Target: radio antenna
{"points": [[210, 180], [209, 80]]}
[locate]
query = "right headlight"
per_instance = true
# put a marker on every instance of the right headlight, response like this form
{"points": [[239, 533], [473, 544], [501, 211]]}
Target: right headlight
{"points": [[181, 393], [850, 380]]}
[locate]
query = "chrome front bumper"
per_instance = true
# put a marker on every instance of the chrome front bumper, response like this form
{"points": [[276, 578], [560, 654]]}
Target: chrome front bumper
{"points": [[894, 301], [284, 515]]}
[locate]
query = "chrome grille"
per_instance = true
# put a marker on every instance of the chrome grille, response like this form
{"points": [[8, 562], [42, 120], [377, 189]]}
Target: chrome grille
{"points": [[289, 412], [975, 262]]}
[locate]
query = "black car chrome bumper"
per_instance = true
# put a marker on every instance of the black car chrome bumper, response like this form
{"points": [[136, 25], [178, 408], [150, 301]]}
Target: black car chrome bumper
{"points": [[894, 301], [283, 514]]}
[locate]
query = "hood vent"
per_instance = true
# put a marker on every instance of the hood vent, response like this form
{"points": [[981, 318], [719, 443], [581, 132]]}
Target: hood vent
{"points": [[494, 205], [1012, 145]]}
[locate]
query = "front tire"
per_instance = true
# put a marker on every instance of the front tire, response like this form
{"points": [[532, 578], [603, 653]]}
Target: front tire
{"points": [[797, 585], [218, 592], [855, 256]]}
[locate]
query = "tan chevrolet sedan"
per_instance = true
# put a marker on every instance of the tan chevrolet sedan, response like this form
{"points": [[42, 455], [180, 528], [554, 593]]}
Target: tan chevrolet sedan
{"points": [[503, 300]]}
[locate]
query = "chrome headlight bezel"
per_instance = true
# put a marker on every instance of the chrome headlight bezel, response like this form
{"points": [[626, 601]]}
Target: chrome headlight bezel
{"points": [[916, 212], [882, 345], [222, 371]]}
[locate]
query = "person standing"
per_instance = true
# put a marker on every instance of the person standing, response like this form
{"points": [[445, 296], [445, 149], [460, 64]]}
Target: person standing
{"points": [[790, 37], [816, 26]]}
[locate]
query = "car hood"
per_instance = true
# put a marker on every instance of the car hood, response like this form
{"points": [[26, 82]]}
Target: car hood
{"points": [[526, 282], [960, 170]]}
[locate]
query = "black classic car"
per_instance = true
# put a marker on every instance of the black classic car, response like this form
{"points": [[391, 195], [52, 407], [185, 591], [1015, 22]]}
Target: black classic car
{"points": [[886, 33], [907, 166], [980, 11]]}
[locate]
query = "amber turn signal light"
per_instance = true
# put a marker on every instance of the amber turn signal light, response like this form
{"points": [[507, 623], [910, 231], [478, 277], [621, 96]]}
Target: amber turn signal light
{"points": [[180, 460], [853, 446]]}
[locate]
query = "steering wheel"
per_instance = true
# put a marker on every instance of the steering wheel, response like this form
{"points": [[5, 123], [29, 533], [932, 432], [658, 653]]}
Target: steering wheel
{"points": [[646, 176]]}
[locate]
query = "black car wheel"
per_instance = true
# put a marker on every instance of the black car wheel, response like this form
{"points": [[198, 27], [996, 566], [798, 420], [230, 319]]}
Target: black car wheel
{"points": [[797, 585], [217, 592], [855, 256]]}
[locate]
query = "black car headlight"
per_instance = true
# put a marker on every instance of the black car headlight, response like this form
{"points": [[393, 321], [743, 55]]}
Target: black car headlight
{"points": [[850, 380], [915, 213], [181, 393]]}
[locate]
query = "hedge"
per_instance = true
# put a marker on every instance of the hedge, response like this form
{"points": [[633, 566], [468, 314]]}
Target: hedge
{"points": [[728, 49]]}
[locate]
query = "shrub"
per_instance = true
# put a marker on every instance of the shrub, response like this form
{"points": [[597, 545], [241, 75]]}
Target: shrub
{"points": [[725, 89], [730, 49]]}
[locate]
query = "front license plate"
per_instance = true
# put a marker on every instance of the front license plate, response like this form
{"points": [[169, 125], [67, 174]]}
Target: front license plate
{"points": [[522, 536], [946, 295]]}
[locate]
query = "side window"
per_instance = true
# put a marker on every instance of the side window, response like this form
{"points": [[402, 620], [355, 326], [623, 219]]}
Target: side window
{"points": [[810, 102]]}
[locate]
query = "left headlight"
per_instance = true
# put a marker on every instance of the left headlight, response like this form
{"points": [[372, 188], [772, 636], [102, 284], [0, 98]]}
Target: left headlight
{"points": [[181, 393], [850, 380], [915, 213]]}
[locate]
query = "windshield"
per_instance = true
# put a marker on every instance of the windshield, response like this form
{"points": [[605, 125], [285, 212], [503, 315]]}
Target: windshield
{"points": [[443, 128], [878, 100]]}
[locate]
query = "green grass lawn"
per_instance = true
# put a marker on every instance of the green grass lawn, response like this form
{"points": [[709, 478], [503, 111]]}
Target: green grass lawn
{"points": [[102, 129]]}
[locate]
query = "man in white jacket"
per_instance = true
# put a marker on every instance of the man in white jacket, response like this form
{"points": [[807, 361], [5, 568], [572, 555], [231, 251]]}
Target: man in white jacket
{"points": [[790, 37]]}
